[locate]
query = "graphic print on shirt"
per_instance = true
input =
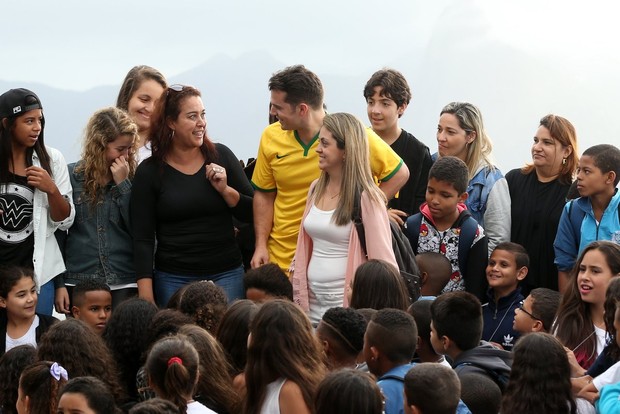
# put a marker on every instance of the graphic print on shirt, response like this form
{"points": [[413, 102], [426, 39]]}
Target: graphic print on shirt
{"points": [[16, 218]]}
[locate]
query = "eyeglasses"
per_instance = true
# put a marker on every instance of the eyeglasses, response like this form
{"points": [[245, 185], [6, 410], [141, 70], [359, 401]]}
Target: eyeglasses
{"points": [[526, 312]]}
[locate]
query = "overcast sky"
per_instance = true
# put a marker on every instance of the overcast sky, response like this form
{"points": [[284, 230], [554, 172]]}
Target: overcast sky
{"points": [[81, 44]]}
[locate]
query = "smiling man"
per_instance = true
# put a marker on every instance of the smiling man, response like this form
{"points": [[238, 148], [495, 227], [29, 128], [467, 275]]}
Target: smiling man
{"points": [[287, 163]]}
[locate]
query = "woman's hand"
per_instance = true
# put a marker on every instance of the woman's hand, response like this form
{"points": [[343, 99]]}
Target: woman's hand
{"points": [[41, 180], [119, 169], [217, 177]]}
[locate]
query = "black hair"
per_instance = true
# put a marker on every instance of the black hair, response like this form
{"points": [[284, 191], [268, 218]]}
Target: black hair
{"points": [[348, 391], [433, 388], [271, 279], [522, 259], [125, 336], [421, 312], [233, 332], [154, 406], [606, 158], [165, 322], [10, 275], [378, 284], [545, 304], [12, 363], [480, 393], [458, 315], [451, 170], [394, 333], [205, 302], [95, 392], [393, 83], [87, 285], [347, 326], [300, 86]]}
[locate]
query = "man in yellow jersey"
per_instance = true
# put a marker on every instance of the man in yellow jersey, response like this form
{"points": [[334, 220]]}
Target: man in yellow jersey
{"points": [[287, 163]]}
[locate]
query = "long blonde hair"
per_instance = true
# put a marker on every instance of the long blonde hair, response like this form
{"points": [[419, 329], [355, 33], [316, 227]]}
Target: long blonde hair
{"points": [[470, 120], [104, 127], [350, 135]]}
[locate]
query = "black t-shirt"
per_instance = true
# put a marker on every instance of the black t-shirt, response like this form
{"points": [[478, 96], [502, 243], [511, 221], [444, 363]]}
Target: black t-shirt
{"points": [[16, 225], [536, 208], [193, 224], [418, 159]]}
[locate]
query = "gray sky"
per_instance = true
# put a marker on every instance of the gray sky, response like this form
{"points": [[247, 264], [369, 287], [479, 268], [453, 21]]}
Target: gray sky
{"points": [[566, 53]]}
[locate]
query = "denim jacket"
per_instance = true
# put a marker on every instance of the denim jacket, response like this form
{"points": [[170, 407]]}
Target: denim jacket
{"points": [[489, 203], [99, 244]]}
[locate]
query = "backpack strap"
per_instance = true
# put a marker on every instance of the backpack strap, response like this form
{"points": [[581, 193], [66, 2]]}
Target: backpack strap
{"points": [[359, 225], [575, 216], [413, 225], [469, 229]]}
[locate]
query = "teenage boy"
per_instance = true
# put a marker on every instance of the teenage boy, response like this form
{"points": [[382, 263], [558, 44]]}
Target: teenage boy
{"points": [[537, 311], [267, 282], [387, 97], [456, 329], [593, 216], [444, 225], [507, 267], [431, 389], [341, 332], [92, 304], [287, 163]]}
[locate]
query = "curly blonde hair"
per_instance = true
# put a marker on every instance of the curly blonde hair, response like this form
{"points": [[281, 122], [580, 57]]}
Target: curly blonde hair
{"points": [[105, 126]]}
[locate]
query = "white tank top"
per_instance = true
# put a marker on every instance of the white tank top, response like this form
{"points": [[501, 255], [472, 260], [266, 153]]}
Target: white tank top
{"points": [[271, 405], [328, 263]]}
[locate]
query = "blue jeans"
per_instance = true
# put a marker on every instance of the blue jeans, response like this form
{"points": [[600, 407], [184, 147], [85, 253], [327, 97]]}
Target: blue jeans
{"points": [[45, 300], [165, 284]]}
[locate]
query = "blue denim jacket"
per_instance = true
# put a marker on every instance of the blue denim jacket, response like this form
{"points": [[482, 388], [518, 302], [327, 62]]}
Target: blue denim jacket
{"points": [[478, 189], [99, 244]]}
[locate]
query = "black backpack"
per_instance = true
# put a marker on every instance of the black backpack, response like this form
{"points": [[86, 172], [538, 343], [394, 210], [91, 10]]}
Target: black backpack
{"points": [[403, 252]]}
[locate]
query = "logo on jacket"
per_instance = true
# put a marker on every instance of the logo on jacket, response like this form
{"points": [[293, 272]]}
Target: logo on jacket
{"points": [[508, 340]]}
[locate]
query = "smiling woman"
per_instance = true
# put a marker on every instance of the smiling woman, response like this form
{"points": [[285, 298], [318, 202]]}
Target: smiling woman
{"points": [[185, 196]]}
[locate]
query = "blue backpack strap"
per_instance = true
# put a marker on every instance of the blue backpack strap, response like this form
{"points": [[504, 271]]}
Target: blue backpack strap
{"points": [[413, 231], [469, 229], [575, 216]]}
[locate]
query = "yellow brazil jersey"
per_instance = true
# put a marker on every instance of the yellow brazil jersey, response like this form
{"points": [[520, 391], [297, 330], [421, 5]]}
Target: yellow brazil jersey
{"points": [[285, 165]]}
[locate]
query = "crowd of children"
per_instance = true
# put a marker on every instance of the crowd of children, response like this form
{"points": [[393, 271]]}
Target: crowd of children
{"points": [[491, 331]]}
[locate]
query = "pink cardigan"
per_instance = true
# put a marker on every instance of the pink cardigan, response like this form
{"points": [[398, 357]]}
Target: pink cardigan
{"points": [[378, 244]]}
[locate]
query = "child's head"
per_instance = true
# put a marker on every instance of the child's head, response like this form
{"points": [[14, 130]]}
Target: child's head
{"points": [[214, 381], [164, 323], [282, 344], [348, 391], [204, 301], [92, 303], [537, 312], [480, 393], [612, 318], [172, 369], [81, 351], [18, 292], [341, 331], [435, 272], [447, 185], [377, 284], [154, 406], [390, 340], [86, 395], [507, 266], [421, 312], [540, 376], [599, 170], [456, 322], [125, 336], [38, 387], [267, 282], [12, 363], [233, 332], [431, 388], [387, 96]]}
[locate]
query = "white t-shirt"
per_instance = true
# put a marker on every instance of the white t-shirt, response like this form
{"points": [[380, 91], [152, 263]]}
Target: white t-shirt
{"points": [[196, 408], [328, 263], [29, 338]]}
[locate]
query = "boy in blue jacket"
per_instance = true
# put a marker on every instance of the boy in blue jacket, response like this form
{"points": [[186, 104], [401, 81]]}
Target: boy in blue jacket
{"points": [[593, 216], [508, 265]]}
